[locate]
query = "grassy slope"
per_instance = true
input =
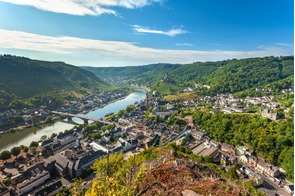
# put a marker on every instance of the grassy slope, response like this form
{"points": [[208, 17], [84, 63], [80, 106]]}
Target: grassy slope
{"points": [[168, 88]]}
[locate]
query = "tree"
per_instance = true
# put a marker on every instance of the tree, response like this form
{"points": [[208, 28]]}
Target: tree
{"points": [[89, 128], [108, 187], [5, 155], [141, 174], [280, 113], [6, 182], [76, 190], [232, 173], [53, 135], [34, 121], [287, 159], [15, 151], [184, 141], [96, 135], [43, 138], [26, 149], [107, 166], [48, 119], [34, 144]]}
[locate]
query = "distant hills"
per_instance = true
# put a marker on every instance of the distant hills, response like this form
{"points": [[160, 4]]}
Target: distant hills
{"points": [[30, 83], [25, 77], [222, 76], [145, 74]]}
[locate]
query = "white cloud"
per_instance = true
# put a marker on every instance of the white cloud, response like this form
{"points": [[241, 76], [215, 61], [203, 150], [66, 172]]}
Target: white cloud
{"points": [[171, 32], [80, 51], [184, 44], [83, 7]]}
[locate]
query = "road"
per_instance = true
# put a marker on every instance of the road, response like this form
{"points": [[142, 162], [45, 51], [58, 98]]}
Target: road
{"points": [[269, 187]]}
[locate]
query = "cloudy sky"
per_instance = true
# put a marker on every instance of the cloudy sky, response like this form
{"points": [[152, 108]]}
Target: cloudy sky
{"points": [[138, 32]]}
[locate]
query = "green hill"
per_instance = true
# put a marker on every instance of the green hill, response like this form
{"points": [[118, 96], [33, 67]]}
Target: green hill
{"points": [[222, 76], [26, 78], [27, 83], [145, 74], [239, 75]]}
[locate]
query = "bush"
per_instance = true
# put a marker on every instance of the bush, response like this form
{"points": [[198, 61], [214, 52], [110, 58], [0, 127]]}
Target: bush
{"points": [[6, 182]]}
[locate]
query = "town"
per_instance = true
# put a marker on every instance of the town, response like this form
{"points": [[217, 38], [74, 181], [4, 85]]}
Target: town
{"points": [[19, 119], [51, 164]]}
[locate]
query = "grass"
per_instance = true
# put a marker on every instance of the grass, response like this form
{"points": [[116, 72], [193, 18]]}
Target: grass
{"points": [[168, 88], [181, 96]]}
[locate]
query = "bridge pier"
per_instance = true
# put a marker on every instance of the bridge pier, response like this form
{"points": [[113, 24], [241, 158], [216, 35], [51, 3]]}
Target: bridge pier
{"points": [[85, 121]]}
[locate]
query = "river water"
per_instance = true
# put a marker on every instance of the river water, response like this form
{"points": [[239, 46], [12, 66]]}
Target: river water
{"points": [[25, 137]]}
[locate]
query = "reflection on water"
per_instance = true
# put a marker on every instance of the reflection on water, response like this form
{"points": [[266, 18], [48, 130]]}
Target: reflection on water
{"points": [[25, 137], [115, 107]]}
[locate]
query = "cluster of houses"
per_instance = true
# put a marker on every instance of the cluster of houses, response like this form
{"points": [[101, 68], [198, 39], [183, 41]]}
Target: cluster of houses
{"points": [[289, 90], [88, 102], [23, 116], [92, 101], [71, 154], [227, 104], [163, 109], [245, 160]]}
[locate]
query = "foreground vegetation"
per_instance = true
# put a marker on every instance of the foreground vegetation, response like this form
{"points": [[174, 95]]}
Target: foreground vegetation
{"points": [[166, 170]]}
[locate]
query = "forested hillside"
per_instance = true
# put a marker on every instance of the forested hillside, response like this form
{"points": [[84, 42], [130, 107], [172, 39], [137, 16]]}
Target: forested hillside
{"points": [[25, 78], [130, 71], [223, 76], [239, 75]]}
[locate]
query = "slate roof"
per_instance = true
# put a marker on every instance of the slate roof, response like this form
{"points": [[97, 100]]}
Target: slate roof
{"points": [[88, 159], [32, 179], [50, 189], [117, 149], [64, 135], [46, 142]]}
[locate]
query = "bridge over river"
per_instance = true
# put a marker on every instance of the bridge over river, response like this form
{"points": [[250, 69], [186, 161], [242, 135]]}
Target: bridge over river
{"points": [[69, 116]]}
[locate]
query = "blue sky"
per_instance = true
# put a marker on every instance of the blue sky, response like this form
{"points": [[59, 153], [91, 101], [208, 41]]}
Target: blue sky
{"points": [[137, 32]]}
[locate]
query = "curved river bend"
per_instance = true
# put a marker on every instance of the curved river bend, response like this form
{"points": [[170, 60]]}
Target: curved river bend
{"points": [[25, 137]]}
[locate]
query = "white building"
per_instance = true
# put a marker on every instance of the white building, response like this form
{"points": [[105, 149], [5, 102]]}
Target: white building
{"points": [[96, 146]]}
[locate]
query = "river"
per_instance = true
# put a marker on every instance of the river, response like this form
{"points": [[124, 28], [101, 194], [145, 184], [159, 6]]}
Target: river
{"points": [[25, 137]]}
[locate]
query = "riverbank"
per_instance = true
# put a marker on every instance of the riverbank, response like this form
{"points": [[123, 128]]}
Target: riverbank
{"points": [[55, 119], [29, 134], [39, 125], [105, 104], [26, 136]]}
